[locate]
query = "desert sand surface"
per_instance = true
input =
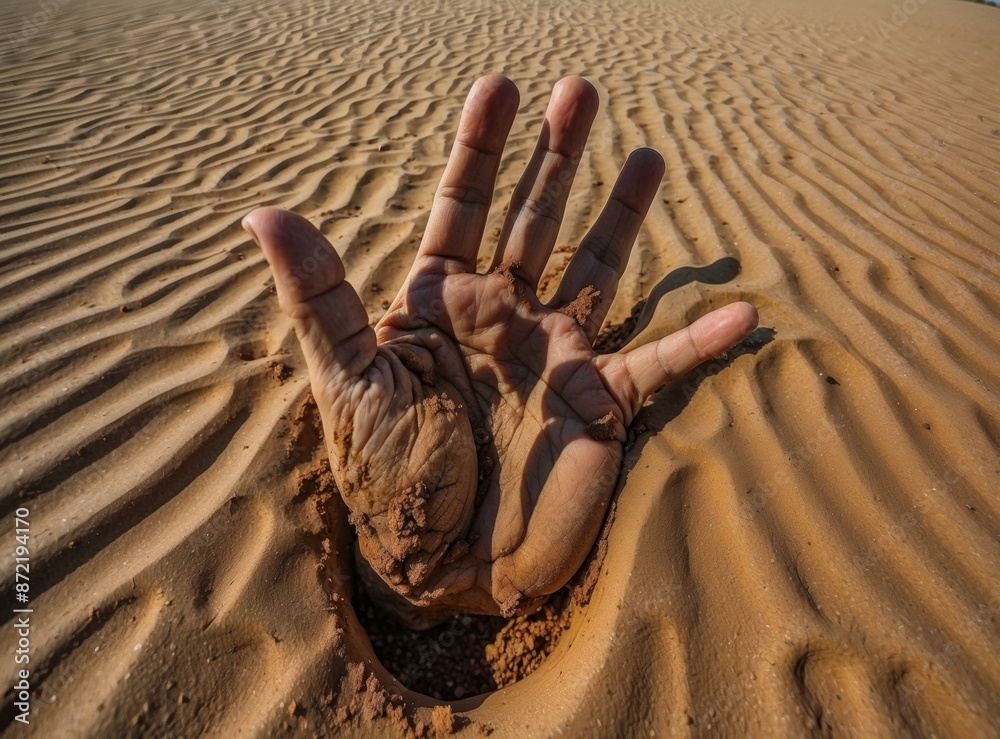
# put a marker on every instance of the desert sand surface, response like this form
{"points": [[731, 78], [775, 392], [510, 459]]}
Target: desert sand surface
{"points": [[807, 531]]}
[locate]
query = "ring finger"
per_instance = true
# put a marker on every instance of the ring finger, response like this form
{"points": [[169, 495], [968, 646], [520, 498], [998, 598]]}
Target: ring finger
{"points": [[603, 254]]}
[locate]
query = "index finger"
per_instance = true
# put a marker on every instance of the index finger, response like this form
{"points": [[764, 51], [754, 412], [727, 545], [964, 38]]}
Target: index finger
{"points": [[458, 217]]}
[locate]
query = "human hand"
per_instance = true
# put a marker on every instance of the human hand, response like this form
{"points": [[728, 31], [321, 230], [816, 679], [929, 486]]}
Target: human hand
{"points": [[474, 433]]}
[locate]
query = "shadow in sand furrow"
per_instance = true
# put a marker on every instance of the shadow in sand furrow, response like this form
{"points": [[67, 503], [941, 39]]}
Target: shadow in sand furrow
{"points": [[114, 515], [133, 393]]}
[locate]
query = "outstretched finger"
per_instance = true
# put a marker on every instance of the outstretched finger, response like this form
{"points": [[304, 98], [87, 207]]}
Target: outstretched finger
{"points": [[539, 201], [634, 376], [329, 318], [600, 261], [462, 201]]}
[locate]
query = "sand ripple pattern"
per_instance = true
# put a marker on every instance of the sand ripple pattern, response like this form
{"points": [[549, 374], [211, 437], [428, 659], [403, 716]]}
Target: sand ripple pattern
{"points": [[808, 539]]}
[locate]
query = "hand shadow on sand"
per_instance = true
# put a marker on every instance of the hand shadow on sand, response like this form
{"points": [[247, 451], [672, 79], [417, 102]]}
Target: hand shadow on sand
{"points": [[616, 335], [668, 402]]}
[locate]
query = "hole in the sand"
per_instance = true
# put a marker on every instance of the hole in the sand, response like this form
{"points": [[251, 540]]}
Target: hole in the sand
{"points": [[467, 655]]}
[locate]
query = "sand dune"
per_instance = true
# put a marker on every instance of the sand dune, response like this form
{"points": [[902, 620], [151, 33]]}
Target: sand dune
{"points": [[806, 538]]}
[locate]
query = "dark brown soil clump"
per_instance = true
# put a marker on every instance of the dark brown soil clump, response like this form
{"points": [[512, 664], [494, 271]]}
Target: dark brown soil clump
{"points": [[524, 643], [603, 429], [506, 269], [582, 305]]}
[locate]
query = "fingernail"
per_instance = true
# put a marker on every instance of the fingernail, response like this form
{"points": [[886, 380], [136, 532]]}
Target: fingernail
{"points": [[245, 223]]}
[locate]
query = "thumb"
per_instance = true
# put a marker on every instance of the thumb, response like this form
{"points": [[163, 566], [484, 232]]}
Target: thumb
{"points": [[637, 374], [329, 318]]}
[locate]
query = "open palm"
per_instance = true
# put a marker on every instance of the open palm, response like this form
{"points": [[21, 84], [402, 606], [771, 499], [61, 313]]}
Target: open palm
{"points": [[474, 433]]}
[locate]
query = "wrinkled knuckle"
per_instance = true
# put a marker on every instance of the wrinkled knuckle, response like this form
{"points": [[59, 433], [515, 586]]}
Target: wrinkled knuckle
{"points": [[465, 196], [543, 208], [605, 252]]}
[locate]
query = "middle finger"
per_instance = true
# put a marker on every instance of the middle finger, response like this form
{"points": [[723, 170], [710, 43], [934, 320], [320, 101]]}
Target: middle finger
{"points": [[536, 208]]}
